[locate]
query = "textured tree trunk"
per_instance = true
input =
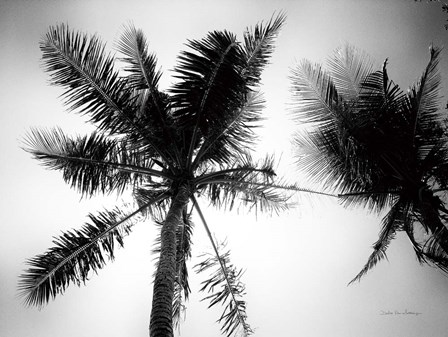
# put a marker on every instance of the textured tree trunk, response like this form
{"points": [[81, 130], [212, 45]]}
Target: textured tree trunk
{"points": [[161, 323]]}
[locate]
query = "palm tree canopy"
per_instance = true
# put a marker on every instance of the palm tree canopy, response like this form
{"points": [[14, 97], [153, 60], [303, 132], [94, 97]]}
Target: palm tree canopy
{"points": [[378, 146], [193, 138]]}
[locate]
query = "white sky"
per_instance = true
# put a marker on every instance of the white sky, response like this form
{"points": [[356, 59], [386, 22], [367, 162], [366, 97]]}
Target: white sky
{"points": [[297, 264]]}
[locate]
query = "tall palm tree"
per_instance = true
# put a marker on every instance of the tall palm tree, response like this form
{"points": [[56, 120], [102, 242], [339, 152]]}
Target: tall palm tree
{"points": [[378, 147], [167, 147]]}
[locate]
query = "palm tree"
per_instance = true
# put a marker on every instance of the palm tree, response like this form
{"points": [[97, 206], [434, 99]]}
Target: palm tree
{"points": [[168, 148], [378, 147]]}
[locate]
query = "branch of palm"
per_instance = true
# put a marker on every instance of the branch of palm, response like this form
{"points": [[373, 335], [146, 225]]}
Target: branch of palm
{"points": [[227, 277], [92, 163]]}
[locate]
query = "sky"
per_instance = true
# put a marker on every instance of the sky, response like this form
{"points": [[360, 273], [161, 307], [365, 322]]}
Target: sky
{"points": [[298, 263]]}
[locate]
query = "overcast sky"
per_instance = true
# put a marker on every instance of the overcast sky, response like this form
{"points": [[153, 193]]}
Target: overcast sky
{"points": [[297, 264]]}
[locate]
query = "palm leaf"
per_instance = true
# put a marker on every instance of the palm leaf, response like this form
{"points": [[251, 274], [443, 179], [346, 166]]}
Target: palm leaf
{"points": [[437, 166], [396, 219], [433, 165], [424, 98], [143, 76], [211, 85], [333, 163], [317, 152], [232, 135], [315, 94], [91, 163], [428, 125], [148, 191], [225, 287], [434, 250], [227, 278], [79, 63], [380, 101], [75, 256], [141, 65], [348, 68], [259, 46], [233, 130]]}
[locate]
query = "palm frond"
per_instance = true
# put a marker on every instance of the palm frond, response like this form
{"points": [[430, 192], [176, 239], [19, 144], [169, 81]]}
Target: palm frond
{"points": [[227, 279], [90, 163], [432, 248], [233, 134], [433, 163], [317, 155], [424, 98], [232, 131], [211, 85], [333, 163], [348, 68], [259, 46], [154, 194], [141, 65], [375, 200], [80, 64], [438, 171], [314, 93], [427, 209], [380, 101], [75, 256], [396, 219], [428, 124], [434, 251], [143, 76]]}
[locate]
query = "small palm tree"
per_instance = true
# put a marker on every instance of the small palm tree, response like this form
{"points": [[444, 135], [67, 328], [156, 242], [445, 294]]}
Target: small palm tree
{"points": [[379, 147], [167, 147]]}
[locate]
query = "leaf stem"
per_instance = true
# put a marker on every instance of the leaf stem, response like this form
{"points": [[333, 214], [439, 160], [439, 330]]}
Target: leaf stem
{"points": [[215, 248]]}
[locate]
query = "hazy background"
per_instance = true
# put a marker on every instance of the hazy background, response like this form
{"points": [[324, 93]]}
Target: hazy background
{"points": [[297, 264]]}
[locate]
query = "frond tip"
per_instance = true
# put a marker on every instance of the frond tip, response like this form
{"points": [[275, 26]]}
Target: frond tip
{"points": [[227, 278]]}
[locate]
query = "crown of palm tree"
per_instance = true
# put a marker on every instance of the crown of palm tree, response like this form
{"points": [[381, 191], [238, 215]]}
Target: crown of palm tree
{"points": [[168, 147], [379, 147]]}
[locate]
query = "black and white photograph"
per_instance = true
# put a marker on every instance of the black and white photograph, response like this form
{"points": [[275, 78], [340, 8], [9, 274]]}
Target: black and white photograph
{"points": [[224, 168]]}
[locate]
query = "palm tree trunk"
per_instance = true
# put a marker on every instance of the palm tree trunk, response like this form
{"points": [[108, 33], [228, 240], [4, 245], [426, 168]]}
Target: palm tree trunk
{"points": [[161, 323]]}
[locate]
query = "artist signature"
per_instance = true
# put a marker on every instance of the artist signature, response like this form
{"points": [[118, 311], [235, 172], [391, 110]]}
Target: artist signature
{"points": [[396, 312]]}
